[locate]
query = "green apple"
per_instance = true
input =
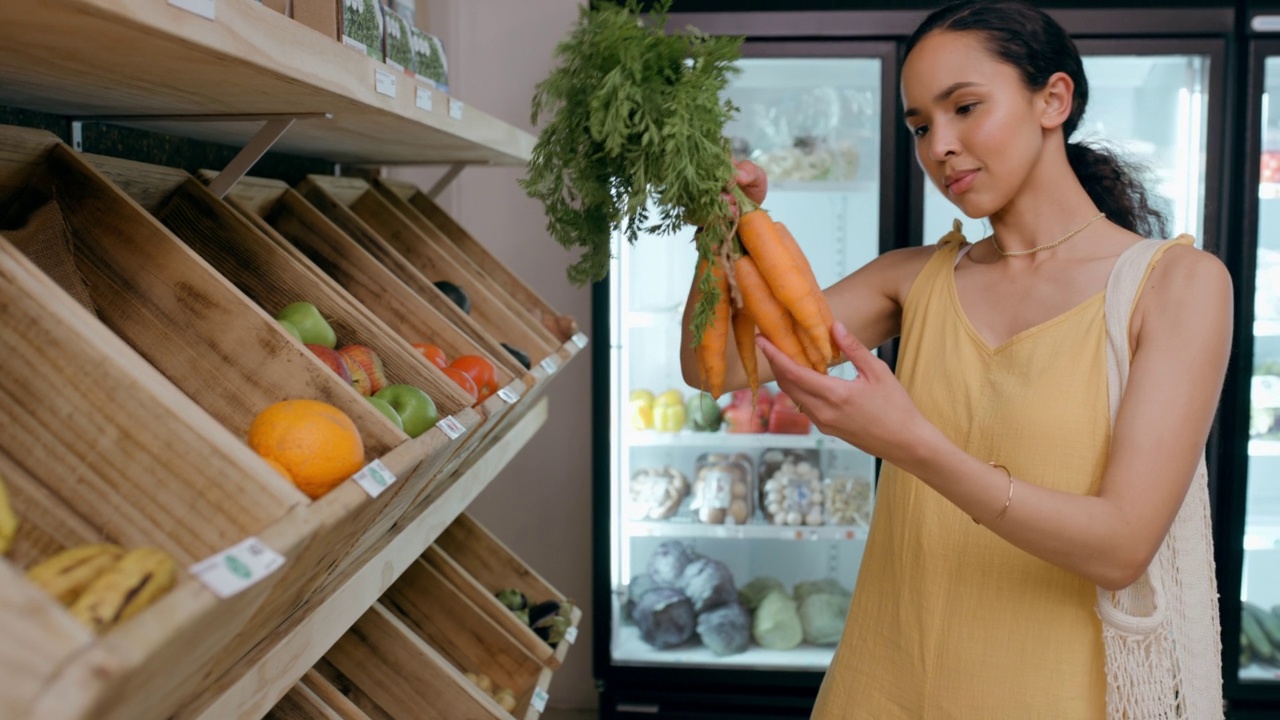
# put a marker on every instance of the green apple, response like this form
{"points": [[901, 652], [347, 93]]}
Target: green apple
{"points": [[310, 324], [291, 329], [416, 409], [385, 408]]}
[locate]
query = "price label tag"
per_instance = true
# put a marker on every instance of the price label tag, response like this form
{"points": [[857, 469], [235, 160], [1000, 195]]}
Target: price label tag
{"points": [[509, 394], [580, 340], [203, 8], [237, 568], [549, 364], [539, 699], [571, 634], [374, 478], [384, 82], [455, 108], [422, 98], [451, 427]]}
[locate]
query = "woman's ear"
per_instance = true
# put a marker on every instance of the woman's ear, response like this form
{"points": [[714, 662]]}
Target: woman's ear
{"points": [[1056, 100]]}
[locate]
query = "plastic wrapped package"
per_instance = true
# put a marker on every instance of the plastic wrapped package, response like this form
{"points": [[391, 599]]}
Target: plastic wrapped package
{"points": [[722, 489], [848, 500], [656, 493], [665, 618], [822, 618], [708, 583], [791, 487], [726, 630], [776, 624], [667, 564], [827, 586]]}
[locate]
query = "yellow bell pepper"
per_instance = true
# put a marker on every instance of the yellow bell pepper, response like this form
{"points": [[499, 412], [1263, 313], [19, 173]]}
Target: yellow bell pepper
{"points": [[669, 411], [641, 409]]}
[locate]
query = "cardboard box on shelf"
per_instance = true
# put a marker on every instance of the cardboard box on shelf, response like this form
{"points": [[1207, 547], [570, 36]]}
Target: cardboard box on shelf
{"points": [[320, 15], [280, 6]]}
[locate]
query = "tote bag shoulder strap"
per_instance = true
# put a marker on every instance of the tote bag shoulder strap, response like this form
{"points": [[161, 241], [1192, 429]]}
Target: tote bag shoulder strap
{"points": [[1122, 291]]}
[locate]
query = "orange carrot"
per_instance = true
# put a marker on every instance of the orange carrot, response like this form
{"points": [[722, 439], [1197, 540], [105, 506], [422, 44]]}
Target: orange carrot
{"points": [[770, 315], [811, 351], [788, 282], [744, 335], [710, 353], [802, 262]]}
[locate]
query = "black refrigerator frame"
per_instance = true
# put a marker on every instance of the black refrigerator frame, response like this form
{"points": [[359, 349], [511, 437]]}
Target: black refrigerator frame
{"points": [[701, 694]]}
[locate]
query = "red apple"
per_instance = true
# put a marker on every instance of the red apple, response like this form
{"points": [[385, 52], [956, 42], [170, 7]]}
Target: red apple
{"points": [[333, 359], [359, 378], [368, 360]]}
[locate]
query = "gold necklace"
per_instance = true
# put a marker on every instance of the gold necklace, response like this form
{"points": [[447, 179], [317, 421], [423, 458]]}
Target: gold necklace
{"points": [[1054, 244]]}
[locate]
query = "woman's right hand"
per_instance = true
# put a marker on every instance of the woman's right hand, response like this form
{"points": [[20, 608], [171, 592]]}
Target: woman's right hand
{"points": [[752, 180]]}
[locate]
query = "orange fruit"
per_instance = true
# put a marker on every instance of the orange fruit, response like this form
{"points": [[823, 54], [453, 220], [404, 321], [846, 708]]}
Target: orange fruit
{"points": [[315, 443], [481, 371], [433, 354], [279, 468], [464, 381]]}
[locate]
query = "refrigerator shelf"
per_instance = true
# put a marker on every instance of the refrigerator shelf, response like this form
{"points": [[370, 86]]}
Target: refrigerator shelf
{"points": [[751, 531], [629, 649], [1266, 328], [1268, 191], [1264, 448], [1258, 672], [736, 441]]}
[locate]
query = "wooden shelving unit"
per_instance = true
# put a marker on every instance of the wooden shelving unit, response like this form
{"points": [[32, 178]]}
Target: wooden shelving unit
{"points": [[152, 65], [140, 58]]}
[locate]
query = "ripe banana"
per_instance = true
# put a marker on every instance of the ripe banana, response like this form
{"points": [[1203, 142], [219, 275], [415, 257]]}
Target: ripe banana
{"points": [[8, 521], [135, 581], [68, 573]]}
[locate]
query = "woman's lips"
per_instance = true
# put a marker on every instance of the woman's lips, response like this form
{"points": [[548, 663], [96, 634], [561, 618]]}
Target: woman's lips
{"points": [[959, 182]]}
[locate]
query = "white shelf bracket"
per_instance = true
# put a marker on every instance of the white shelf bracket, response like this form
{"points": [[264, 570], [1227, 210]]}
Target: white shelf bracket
{"points": [[274, 126]]}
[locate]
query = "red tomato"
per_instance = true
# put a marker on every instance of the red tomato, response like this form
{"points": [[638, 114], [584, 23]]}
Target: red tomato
{"points": [[433, 354], [464, 381], [480, 370]]}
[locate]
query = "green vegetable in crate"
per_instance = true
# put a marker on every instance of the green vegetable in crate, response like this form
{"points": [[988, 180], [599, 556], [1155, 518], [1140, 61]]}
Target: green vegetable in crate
{"points": [[513, 599], [543, 610], [704, 413]]}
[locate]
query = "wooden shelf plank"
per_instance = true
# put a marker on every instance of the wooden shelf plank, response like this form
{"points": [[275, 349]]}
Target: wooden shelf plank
{"points": [[144, 57], [264, 677]]}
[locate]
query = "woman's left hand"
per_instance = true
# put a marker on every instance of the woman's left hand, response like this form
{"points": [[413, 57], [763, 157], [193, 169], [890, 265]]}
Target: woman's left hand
{"points": [[872, 412]]}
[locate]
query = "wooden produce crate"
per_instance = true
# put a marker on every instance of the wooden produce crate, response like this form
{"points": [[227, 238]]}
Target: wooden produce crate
{"points": [[272, 273], [283, 214], [411, 650], [480, 565], [127, 426], [448, 235], [314, 697]]}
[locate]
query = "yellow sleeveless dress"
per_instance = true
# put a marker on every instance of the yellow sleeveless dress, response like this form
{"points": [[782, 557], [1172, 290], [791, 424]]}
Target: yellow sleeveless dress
{"points": [[948, 620]]}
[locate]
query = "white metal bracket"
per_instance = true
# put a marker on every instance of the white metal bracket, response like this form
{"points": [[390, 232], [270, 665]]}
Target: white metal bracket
{"points": [[273, 127]]}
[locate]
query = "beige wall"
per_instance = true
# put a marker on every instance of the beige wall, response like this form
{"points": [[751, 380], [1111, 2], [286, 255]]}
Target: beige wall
{"points": [[497, 51]]}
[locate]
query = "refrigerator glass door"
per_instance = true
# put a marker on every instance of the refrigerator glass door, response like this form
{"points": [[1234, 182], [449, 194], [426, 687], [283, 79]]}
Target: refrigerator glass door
{"points": [[1153, 109], [1260, 584], [681, 488]]}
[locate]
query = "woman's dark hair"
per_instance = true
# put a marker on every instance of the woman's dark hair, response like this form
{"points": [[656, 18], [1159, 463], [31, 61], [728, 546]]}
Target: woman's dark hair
{"points": [[1026, 38]]}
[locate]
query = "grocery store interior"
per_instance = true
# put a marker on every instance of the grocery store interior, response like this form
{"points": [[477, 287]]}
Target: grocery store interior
{"points": [[218, 501]]}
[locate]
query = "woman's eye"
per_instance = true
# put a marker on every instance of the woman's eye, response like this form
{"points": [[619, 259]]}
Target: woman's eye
{"points": [[966, 108], [920, 130]]}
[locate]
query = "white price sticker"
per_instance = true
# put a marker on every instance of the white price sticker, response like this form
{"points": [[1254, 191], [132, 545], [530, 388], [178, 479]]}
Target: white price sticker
{"points": [[384, 82], [539, 699], [237, 568], [455, 108], [422, 98], [549, 364], [511, 395], [451, 427], [203, 8], [374, 478], [571, 634], [580, 340]]}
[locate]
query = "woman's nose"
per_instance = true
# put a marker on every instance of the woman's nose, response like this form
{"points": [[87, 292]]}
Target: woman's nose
{"points": [[943, 143]]}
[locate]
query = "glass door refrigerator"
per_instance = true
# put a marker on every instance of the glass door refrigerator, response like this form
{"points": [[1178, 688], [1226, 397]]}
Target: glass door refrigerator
{"points": [[692, 516], [728, 538], [1250, 538]]}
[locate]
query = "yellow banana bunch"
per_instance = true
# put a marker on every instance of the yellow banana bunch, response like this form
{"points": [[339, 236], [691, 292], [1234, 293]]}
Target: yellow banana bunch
{"points": [[8, 521], [135, 581], [68, 573]]}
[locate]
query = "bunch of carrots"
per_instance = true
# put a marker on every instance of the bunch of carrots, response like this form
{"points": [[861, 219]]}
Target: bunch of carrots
{"points": [[764, 282]]}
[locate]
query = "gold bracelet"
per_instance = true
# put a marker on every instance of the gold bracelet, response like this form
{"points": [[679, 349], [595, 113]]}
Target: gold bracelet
{"points": [[1007, 500]]}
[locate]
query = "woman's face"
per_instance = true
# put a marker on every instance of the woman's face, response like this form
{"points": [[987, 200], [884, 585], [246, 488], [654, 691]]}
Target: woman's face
{"points": [[976, 125]]}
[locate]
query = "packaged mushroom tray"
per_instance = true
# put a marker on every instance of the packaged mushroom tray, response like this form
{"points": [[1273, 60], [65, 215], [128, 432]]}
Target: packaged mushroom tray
{"points": [[723, 489], [655, 493], [791, 490]]}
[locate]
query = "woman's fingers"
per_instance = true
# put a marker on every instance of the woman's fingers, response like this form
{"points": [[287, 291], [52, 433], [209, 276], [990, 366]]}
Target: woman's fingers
{"points": [[864, 361], [752, 180]]}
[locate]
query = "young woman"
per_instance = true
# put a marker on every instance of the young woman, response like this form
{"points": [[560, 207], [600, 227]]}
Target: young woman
{"points": [[1006, 499]]}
